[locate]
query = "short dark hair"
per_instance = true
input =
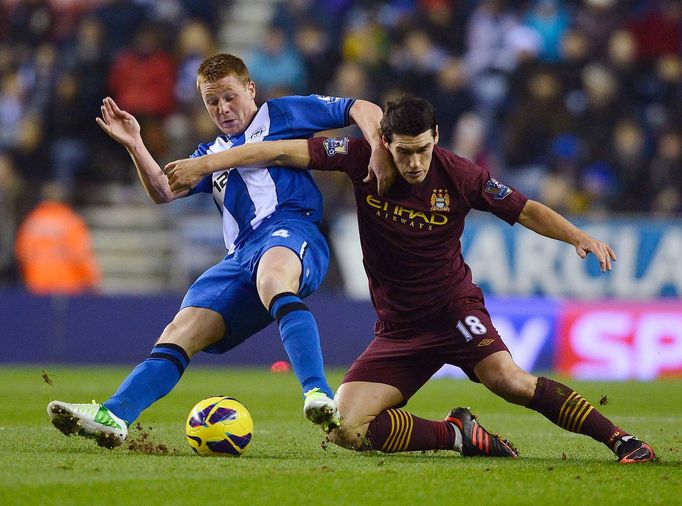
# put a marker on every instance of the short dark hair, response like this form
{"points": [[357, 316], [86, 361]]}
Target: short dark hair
{"points": [[407, 115], [222, 65]]}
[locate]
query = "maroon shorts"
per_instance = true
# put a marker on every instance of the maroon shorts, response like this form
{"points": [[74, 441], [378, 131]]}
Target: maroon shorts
{"points": [[407, 355]]}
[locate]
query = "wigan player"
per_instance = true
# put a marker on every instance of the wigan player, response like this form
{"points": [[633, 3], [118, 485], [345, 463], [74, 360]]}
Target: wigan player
{"points": [[276, 254], [430, 311]]}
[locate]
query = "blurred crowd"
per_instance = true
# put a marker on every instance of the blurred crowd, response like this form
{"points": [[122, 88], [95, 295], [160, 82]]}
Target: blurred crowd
{"points": [[576, 102]]}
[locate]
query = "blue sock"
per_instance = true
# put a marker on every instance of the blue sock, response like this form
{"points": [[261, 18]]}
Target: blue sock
{"points": [[301, 340], [149, 381]]}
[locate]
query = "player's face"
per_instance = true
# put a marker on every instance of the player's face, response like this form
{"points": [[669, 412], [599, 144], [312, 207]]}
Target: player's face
{"points": [[230, 103], [412, 155]]}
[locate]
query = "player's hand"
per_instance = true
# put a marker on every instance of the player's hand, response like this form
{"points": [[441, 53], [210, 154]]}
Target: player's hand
{"points": [[118, 124], [604, 253], [381, 169], [184, 174]]}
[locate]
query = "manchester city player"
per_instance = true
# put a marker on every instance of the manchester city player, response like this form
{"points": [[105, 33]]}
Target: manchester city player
{"points": [[276, 254], [430, 312]]}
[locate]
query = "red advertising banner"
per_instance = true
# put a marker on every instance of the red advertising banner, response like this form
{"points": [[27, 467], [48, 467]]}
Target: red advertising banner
{"points": [[620, 340]]}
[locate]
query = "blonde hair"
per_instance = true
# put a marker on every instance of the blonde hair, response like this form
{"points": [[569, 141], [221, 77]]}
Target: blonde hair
{"points": [[222, 65]]}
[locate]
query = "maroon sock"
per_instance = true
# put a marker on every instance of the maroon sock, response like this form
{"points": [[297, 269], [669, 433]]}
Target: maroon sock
{"points": [[395, 430], [566, 408]]}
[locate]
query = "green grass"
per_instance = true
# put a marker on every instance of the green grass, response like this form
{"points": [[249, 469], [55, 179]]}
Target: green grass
{"points": [[286, 463]]}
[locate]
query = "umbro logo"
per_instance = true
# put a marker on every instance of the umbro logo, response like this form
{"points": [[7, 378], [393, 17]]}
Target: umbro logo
{"points": [[485, 342]]}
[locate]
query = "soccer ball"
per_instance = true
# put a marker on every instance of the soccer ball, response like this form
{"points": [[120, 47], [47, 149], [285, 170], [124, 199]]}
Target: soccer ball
{"points": [[219, 426]]}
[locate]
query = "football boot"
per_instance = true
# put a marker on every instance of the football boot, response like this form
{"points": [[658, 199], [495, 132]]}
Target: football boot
{"points": [[321, 410], [631, 450], [92, 421], [475, 439]]}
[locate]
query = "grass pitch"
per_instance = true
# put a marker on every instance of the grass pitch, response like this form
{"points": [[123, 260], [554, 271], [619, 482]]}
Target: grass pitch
{"points": [[288, 462]]}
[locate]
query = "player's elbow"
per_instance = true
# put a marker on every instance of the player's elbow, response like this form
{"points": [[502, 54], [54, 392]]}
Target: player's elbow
{"points": [[160, 198], [291, 153], [364, 108], [529, 213]]}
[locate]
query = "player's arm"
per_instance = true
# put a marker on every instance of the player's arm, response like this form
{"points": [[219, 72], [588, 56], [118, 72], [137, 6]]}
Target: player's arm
{"points": [[367, 116], [124, 129], [541, 219], [184, 174]]}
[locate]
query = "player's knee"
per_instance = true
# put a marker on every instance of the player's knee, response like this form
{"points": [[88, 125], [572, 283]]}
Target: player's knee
{"points": [[273, 283], [191, 335], [354, 424], [350, 436]]}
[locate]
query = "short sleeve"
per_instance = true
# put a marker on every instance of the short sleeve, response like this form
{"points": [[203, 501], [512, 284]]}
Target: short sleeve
{"points": [[485, 193], [349, 155], [309, 114]]}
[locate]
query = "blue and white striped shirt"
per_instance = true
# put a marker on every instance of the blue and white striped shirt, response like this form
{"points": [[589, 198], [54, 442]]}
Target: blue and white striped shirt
{"points": [[245, 196]]}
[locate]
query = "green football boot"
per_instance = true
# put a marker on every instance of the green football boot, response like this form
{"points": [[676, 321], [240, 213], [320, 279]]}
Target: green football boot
{"points": [[93, 421], [321, 410]]}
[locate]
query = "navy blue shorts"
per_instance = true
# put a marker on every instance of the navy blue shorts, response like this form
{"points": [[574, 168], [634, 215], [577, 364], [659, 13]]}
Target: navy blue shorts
{"points": [[407, 355], [229, 287]]}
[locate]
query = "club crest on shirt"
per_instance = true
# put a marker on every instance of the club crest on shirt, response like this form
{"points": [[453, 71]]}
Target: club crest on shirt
{"points": [[336, 146], [497, 189], [440, 200], [327, 98], [257, 133]]}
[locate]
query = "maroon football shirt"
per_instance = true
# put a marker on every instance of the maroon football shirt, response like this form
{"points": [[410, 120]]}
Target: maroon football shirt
{"points": [[410, 238]]}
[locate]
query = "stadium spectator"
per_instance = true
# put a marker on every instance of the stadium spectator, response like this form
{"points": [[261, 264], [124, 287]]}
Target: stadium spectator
{"points": [[535, 120], [365, 41], [318, 54], [12, 110], [143, 77], [621, 58], [11, 208], [32, 22], [53, 248], [276, 254], [277, 66], [468, 141], [121, 20], [550, 21], [350, 80], [665, 175], [575, 54], [602, 109], [195, 44], [597, 20], [442, 20], [417, 61], [658, 31], [85, 56], [487, 48], [628, 156], [430, 313], [450, 93], [67, 117], [664, 107]]}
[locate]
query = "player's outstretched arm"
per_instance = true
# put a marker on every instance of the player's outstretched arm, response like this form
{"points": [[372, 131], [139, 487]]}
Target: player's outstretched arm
{"points": [[124, 129], [545, 221], [381, 167], [184, 174]]}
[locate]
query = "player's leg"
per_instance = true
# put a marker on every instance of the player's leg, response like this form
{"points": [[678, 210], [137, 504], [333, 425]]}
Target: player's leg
{"points": [[380, 381], [220, 310], [560, 404], [292, 265], [191, 330], [224, 293]]}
